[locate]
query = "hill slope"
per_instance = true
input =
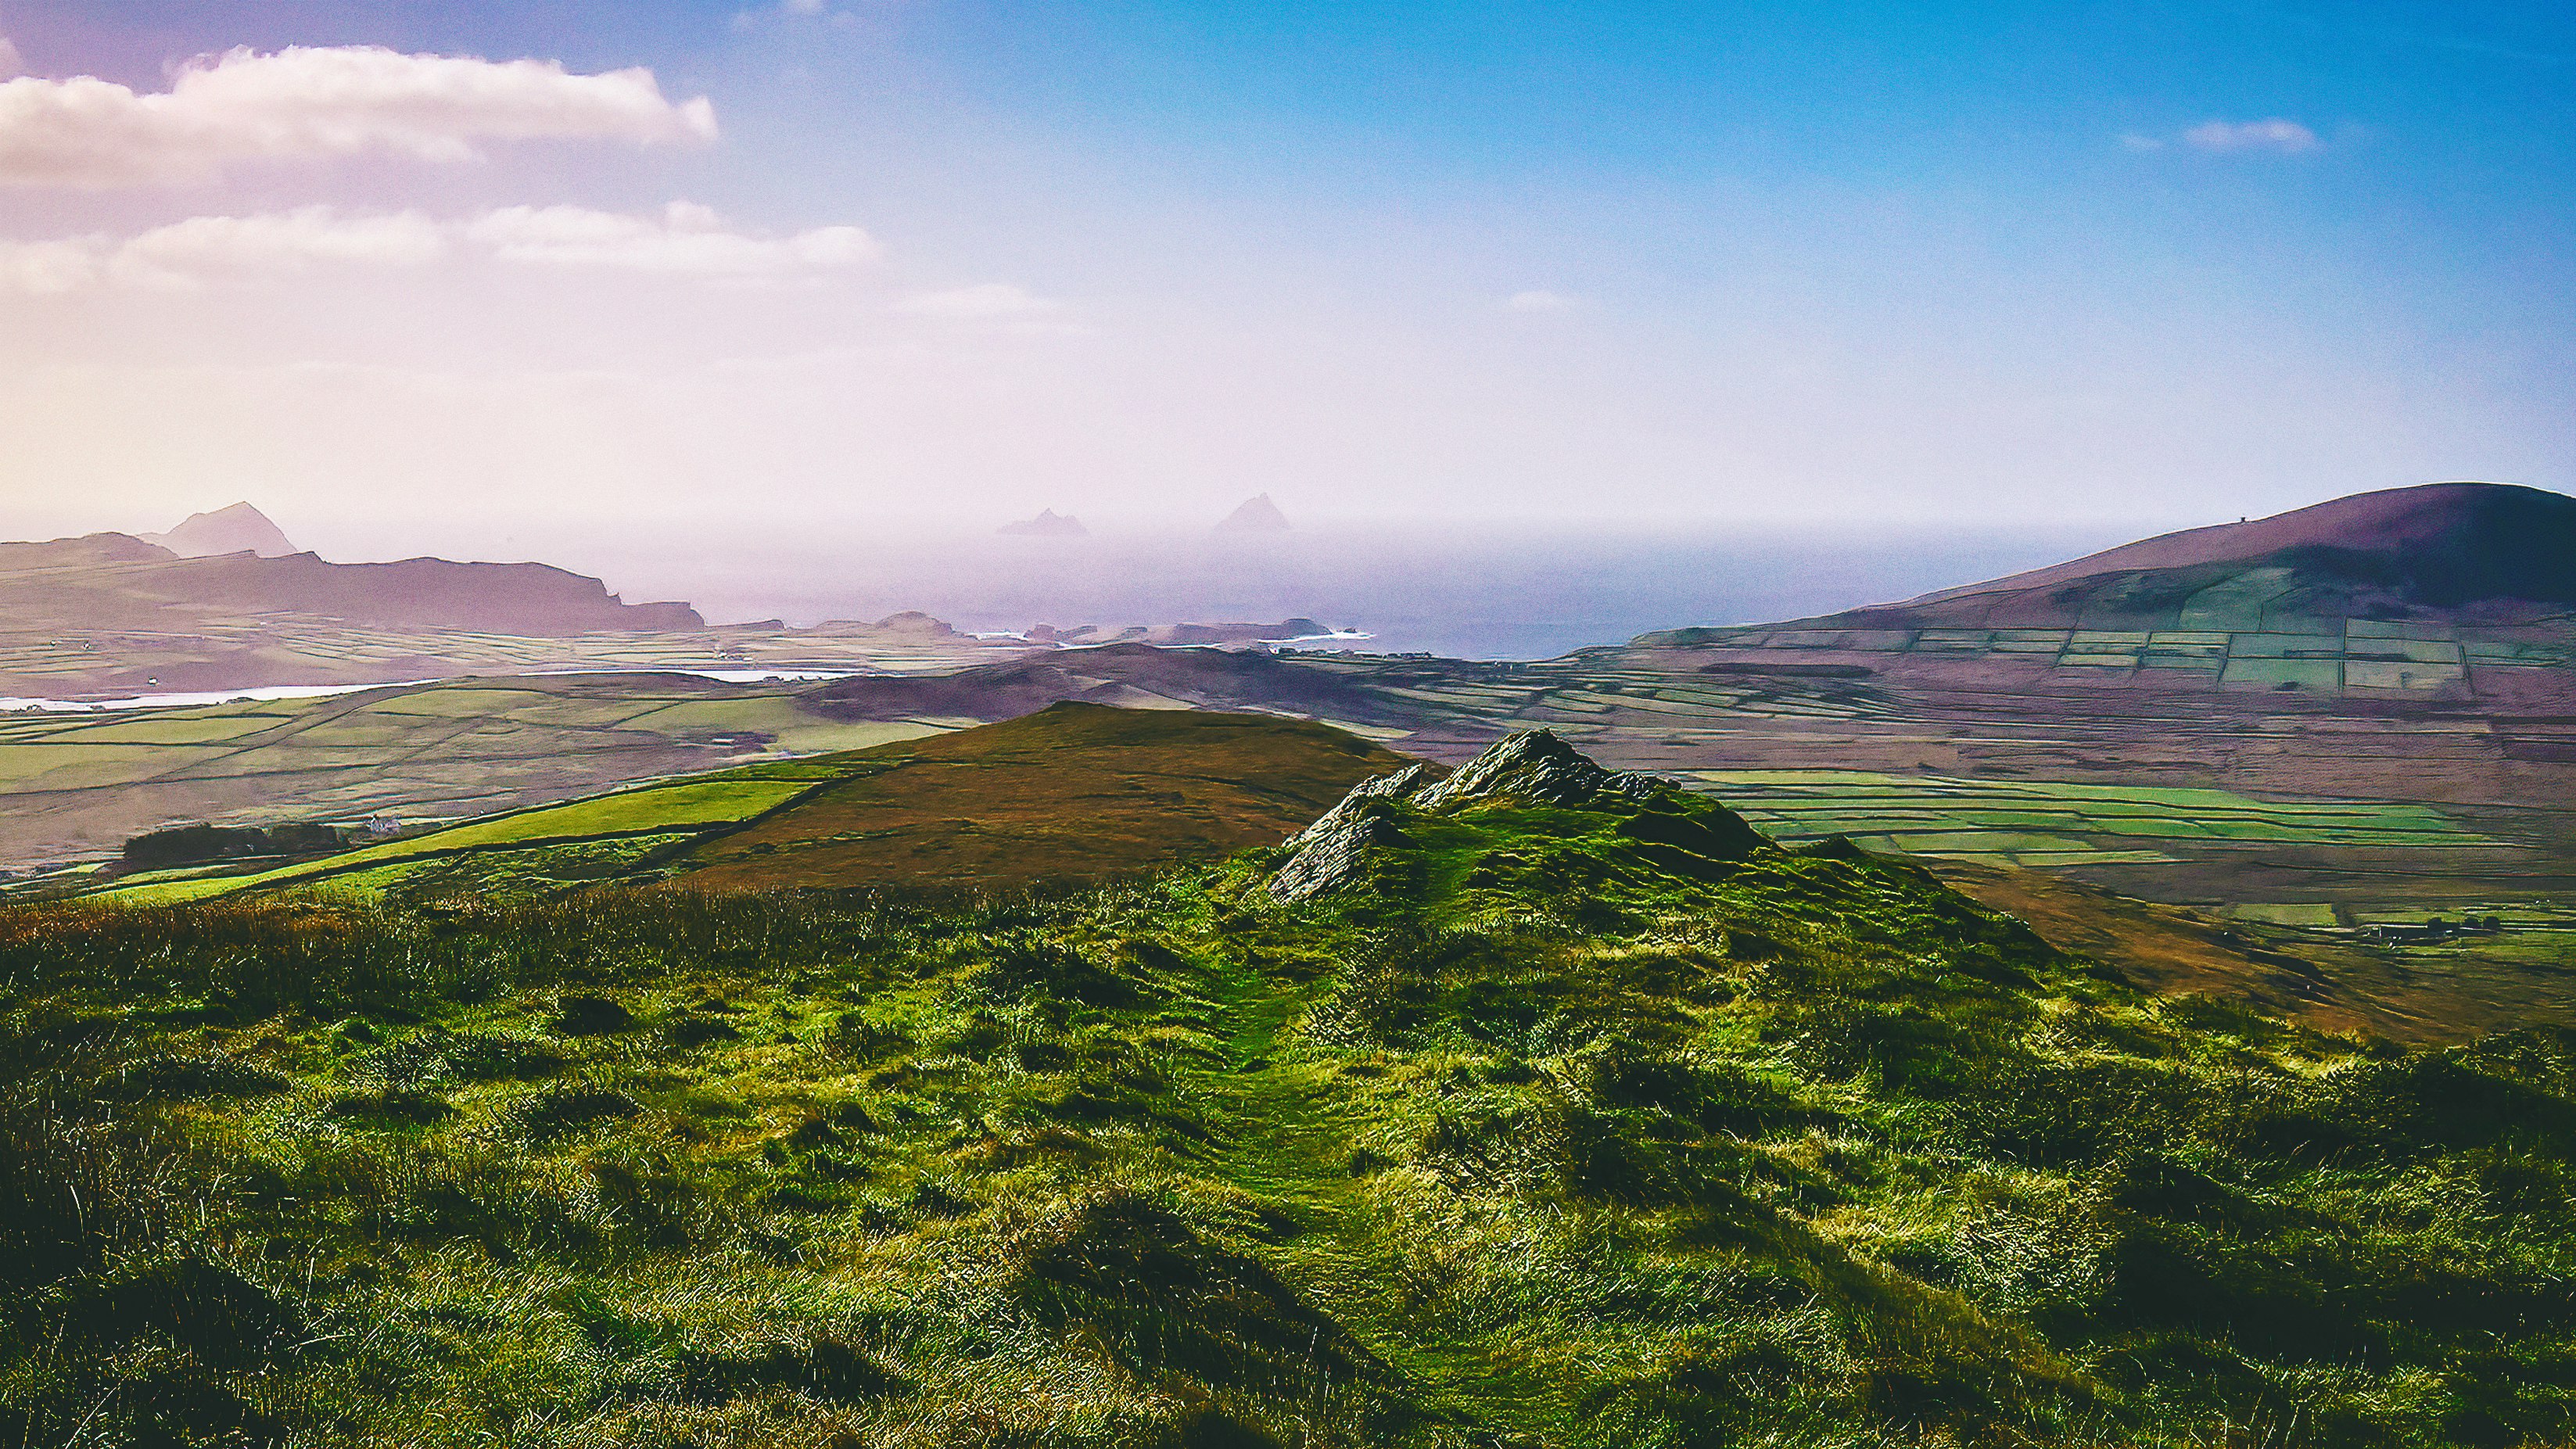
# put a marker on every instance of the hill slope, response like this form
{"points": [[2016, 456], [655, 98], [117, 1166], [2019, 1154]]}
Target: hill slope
{"points": [[2477, 552], [2438, 545], [1072, 793], [1569, 1116]]}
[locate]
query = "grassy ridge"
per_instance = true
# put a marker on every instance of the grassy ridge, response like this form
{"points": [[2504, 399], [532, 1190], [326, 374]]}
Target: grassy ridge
{"points": [[1072, 792], [1547, 1135]]}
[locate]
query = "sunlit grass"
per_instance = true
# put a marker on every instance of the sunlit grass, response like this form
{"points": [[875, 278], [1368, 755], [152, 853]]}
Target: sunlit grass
{"points": [[1526, 1142]]}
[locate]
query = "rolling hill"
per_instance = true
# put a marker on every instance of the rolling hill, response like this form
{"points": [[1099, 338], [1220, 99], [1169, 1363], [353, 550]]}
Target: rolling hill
{"points": [[2403, 590], [1070, 794], [2437, 546]]}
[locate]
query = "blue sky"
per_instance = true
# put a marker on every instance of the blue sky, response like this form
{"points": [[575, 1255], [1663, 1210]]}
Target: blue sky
{"points": [[1802, 261]]}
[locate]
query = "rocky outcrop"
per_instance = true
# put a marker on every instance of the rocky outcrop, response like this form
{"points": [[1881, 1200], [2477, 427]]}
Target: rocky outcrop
{"points": [[1334, 850], [1403, 784], [1651, 822], [1536, 766]]}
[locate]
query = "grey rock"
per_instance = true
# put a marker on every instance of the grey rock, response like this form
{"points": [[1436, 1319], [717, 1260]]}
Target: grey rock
{"points": [[1332, 852], [1400, 785], [1329, 862], [1536, 766]]}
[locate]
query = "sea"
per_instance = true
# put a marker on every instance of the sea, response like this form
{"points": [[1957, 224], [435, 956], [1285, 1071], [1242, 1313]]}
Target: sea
{"points": [[1499, 593]]}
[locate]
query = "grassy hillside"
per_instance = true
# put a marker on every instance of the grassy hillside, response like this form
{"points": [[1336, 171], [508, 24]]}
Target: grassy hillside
{"points": [[1074, 792], [1592, 1122]]}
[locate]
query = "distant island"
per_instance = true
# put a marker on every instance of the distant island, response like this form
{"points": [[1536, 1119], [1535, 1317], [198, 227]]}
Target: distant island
{"points": [[1048, 524], [237, 529], [1257, 514]]}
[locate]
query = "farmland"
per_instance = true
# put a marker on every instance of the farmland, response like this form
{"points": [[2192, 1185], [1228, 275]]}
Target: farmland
{"points": [[79, 784], [2036, 823]]}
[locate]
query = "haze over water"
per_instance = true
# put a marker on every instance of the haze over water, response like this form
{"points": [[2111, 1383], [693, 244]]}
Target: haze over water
{"points": [[1491, 594]]}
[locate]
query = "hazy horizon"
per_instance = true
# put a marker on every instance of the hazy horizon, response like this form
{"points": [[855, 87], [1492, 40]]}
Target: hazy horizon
{"points": [[1482, 591], [1461, 592]]}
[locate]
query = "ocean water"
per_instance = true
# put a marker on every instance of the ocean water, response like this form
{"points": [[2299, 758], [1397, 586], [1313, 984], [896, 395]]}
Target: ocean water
{"points": [[1492, 594]]}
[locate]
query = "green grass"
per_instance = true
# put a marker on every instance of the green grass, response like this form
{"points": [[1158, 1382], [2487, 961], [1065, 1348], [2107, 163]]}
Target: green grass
{"points": [[2045, 823], [1547, 1133], [667, 811]]}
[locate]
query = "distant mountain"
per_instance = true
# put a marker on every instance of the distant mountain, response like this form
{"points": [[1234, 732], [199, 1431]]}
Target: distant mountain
{"points": [[113, 614], [1048, 524], [237, 529], [514, 598], [2447, 591], [113, 581], [2487, 549], [1256, 514]]}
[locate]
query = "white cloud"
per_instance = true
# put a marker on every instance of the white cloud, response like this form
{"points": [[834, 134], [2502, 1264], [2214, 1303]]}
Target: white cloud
{"points": [[312, 102], [2289, 138], [206, 247], [48, 268], [801, 7], [1538, 301], [684, 241], [12, 64], [988, 299]]}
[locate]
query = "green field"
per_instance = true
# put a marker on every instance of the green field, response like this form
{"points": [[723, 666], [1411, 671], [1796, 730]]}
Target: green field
{"points": [[2044, 823], [2227, 632], [670, 811], [80, 784]]}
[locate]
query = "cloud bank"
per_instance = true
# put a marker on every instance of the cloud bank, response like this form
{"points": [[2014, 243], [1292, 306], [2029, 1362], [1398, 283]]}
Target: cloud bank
{"points": [[685, 241], [2286, 137], [310, 102]]}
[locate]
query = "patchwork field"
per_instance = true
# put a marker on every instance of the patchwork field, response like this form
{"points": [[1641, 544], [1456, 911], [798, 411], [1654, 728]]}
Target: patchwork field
{"points": [[77, 785], [2037, 823], [2225, 646]]}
